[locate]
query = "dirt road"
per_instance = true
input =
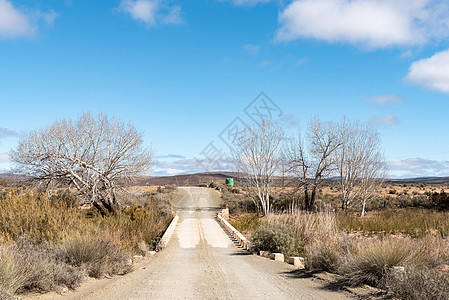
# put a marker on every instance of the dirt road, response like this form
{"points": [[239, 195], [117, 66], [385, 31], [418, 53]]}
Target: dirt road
{"points": [[201, 262]]}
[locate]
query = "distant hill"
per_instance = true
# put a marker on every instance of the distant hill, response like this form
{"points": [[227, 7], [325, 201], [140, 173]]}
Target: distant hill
{"points": [[424, 180], [188, 179], [220, 177]]}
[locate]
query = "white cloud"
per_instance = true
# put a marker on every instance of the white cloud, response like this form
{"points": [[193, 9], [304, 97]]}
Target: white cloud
{"points": [[4, 157], [173, 16], [5, 133], [301, 61], [248, 2], [14, 23], [177, 164], [432, 72], [141, 10], [407, 54], [48, 17], [390, 119], [382, 100], [251, 49], [152, 12], [368, 23], [418, 167]]}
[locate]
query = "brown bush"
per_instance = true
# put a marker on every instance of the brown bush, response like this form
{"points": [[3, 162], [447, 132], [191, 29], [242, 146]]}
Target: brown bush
{"points": [[98, 255], [418, 284]]}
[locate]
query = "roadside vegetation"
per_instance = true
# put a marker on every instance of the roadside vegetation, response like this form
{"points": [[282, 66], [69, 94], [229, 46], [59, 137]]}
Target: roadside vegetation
{"points": [[70, 216], [402, 248], [47, 243]]}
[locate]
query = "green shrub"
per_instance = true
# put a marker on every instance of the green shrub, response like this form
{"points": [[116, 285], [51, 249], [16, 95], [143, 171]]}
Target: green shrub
{"points": [[99, 255], [418, 284], [277, 239], [440, 200]]}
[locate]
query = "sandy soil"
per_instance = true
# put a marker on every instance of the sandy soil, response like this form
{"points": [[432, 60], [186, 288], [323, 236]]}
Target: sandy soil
{"points": [[202, 262]]}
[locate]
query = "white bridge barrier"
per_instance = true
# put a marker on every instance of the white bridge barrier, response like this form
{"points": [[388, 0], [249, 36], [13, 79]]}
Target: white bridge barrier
{"points": [[168, 233], [234, 232]]}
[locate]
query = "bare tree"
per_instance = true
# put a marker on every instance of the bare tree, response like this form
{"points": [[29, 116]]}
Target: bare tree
{"points": [[95, 154], [360, 163], [258, 157], [313, 160]]}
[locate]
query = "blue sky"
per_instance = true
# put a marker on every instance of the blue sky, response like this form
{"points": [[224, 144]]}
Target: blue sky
{"points": [[181, 71]]}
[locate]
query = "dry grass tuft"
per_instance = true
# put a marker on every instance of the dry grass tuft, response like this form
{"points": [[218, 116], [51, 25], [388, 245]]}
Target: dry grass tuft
{"points": [[98, 255], [374, 258]]}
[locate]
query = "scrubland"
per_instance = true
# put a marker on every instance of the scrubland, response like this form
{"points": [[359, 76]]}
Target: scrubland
{"points": [[401, 245], [51, 242]]}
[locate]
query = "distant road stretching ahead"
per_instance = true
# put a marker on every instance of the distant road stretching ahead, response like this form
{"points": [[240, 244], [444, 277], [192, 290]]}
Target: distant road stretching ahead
{"points": [[201, 262]]}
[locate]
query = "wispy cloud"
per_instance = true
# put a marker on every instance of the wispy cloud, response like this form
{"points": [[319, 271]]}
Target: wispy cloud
{"points": [[366, 23], [382, 100], [264, 63], [247, 2], [301, 61], [5, 133], [251, 49], [171, 156], [390, 119], [407, 54], [152, 12], [167, 167], [16, 23], [4, 157], [418, 167], [432, 72]]}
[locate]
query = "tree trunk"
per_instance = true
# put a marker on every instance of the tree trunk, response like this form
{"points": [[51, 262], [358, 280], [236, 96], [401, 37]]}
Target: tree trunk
{"points": [[363, 207], [312, 198], [306, 198]]}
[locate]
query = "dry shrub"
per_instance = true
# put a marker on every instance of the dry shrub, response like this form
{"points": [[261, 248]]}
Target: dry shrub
{"points": [[98, 255], [323, 255], [434, 248], [375, 258], [25, 266], [418, 284], [12, 277], [33, 214], [309, 226], [64, 233], [53, 220], [246, 222]]}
